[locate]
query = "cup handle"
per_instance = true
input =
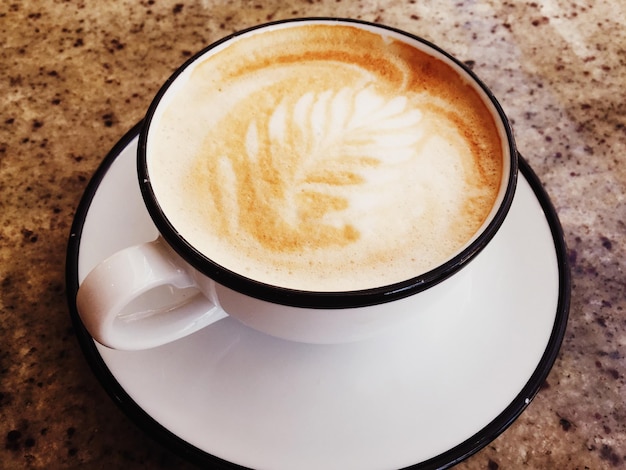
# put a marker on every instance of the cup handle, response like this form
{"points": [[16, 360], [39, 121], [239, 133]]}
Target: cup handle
{"points": [[143, 296]]}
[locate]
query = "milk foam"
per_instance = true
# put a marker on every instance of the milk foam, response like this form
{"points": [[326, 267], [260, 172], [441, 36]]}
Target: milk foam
{"points": [[324, 157]]}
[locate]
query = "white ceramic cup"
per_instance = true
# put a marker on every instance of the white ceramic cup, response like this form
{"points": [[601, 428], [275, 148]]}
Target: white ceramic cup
{"points": [[163, 290]]}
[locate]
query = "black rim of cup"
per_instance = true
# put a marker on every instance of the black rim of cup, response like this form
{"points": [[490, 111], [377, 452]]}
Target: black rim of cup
{"points": [[317, 299]]}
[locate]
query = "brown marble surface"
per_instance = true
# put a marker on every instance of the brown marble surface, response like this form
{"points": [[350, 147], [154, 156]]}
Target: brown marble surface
{"points": [[76, 75]]}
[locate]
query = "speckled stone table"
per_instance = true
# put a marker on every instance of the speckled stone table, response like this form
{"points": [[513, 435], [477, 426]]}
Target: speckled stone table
{"points": [[76, 75]]}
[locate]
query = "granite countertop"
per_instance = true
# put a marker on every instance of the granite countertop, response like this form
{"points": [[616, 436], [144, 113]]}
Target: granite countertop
{"points": [[76, 76]]}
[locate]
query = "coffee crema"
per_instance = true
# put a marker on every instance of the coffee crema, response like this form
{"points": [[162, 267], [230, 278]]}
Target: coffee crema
{"points": [[324, 157]]}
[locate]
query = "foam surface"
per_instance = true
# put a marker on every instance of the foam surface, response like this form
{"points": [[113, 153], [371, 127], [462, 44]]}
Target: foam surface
{"points": [[325, 157]]}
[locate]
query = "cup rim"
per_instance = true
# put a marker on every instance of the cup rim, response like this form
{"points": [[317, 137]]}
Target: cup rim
{"points": [[323, 299]]}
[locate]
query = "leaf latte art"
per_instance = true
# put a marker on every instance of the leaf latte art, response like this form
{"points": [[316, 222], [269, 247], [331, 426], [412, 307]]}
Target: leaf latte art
{"points": [[325, 157], [305, 162]]}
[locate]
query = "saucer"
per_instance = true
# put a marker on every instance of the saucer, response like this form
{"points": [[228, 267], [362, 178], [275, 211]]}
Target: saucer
{"points": [[427, 394]]}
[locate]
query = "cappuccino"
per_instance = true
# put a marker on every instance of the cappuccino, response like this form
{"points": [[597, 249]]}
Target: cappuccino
{"points": [[325, 157]]}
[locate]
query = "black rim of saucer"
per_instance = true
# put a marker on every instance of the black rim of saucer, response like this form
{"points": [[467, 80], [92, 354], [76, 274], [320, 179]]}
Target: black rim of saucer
{"points": [[199, 457], [326, 300]]}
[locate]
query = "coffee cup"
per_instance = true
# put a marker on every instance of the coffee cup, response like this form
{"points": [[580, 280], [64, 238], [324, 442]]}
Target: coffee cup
{"points": [[319, 180]]}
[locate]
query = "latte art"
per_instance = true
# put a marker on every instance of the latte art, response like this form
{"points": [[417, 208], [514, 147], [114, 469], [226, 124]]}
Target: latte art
{"points": [[304, 166], [325, 157]]}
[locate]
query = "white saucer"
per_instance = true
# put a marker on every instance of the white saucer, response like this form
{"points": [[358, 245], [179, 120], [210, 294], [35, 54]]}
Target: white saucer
{"points": [[426, 395]]}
